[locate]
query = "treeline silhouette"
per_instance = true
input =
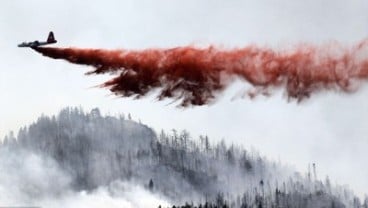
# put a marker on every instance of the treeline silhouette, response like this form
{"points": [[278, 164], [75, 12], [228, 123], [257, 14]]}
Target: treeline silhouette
{"points": [[96, 150], [280, 200]]}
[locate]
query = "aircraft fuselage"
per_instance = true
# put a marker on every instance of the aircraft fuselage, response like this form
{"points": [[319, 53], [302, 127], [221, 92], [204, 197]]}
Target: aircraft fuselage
{"points": [[35, 44]]}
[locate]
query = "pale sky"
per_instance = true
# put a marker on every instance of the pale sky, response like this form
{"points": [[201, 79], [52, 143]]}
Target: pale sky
{"points": [[330, 129]]}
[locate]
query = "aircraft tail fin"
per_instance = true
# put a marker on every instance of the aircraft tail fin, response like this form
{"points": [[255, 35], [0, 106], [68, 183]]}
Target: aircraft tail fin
{"points": [[51, 38]]}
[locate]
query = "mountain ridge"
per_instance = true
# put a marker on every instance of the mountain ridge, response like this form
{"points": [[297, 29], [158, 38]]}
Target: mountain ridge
{"points": [[94, 150]]}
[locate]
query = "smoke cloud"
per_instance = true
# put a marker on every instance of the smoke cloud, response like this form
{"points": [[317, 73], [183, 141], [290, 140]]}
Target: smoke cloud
{"points": [[30, 179], [196, 76]]}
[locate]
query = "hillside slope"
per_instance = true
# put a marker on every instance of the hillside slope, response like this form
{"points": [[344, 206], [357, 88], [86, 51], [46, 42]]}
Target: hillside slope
{"points": [[89, 151]]}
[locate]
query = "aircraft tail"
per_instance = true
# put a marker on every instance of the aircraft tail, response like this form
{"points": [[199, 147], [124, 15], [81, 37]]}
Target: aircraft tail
{"points": [[51, 38]]}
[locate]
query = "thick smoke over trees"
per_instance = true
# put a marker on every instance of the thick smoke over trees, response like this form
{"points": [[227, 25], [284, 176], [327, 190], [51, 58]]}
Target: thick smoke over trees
{"points": [[196, 76], [99, 155]]}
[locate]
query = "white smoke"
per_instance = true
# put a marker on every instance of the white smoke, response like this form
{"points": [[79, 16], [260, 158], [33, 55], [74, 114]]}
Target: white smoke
{"points": [[29, 179], [130, 196]]}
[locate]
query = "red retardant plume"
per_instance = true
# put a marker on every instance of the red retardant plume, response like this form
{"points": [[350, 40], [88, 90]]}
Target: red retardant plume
{"points": [[196, 76]]}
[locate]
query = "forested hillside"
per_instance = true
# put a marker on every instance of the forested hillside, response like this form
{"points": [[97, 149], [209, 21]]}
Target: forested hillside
{"points": [[94, 150]]}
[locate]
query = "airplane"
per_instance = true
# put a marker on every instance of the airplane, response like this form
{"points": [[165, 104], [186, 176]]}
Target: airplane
{"points": [[36, 43]]}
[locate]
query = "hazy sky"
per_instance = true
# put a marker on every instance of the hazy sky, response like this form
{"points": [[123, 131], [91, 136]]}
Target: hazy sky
{"points": [[330, 129]]}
